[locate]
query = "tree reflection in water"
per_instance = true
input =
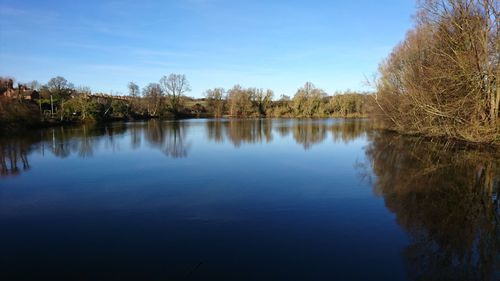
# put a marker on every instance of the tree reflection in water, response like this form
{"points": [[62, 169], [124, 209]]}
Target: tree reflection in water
{"points": [[240, 131], [13, 154], [215, 130], [135, 135], [445, 197], [349, 130], [307, 132], [169, 137]]}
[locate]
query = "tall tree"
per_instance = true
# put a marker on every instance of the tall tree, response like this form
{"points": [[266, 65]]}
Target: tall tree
{"points": [[133, 89], [154, 98], [174, 86], [34, 85], [239, 102], [60, 87], [215, 101], [308, 100], [58, 83]]}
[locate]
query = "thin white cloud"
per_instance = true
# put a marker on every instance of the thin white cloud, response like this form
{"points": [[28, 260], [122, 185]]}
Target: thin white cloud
{"points": [[134, 51], [6, 11], [27, 15]]}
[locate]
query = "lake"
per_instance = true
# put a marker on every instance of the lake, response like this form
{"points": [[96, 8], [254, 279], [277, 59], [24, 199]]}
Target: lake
{"points": [[278, 199]]}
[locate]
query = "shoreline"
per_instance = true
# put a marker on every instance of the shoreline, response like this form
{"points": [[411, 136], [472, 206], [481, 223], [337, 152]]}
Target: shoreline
{"points": [[19, 127]]}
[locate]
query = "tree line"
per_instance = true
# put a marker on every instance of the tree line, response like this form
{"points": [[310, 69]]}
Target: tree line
{"points": [[167, 99], [308, 102], [60, 101]]}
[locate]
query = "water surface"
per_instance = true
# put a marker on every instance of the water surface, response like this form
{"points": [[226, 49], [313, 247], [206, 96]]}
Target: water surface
{"points": [[245, 200]]}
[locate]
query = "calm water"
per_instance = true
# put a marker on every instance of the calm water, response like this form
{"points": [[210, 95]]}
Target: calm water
{"points": [[245, 200]]}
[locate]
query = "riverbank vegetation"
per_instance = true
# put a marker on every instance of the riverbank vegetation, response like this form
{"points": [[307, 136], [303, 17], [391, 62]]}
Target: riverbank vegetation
{"points": [[59, 101], [443, 79], [308, 102]]}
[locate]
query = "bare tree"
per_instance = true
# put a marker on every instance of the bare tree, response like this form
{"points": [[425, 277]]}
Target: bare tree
{"points": [[154, 98], [58, 83], [84, 90], [34, 85], [133, 89], [308, 101], [174, 86], [239, 102], [215, 101], [443, 79], [261, 100], [60, 87]]}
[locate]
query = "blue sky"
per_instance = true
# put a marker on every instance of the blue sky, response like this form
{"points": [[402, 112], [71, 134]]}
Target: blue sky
{"points": [[216, 43]]}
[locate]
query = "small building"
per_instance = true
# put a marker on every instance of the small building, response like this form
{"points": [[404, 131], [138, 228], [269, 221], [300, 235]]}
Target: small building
{"points": [[22, 92], [33, 95]]}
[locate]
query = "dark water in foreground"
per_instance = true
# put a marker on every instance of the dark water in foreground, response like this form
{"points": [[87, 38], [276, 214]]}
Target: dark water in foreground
{"points": [[245, 200]]}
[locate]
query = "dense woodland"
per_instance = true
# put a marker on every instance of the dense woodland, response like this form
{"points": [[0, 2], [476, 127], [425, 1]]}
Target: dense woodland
{"points": [[441, 80]]}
